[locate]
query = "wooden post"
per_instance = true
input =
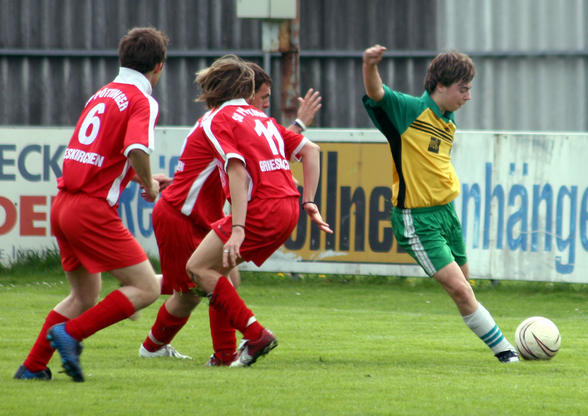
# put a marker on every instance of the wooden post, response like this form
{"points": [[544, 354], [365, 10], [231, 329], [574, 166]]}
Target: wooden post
{"points": [[290, 64]]}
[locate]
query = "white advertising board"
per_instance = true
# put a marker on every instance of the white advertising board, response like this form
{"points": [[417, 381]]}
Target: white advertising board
{"points": [[524, 202]]}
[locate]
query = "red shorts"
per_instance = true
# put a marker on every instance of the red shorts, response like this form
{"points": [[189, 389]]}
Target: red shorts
{"points": [[177, 237], [90, 233], [268, 225]]}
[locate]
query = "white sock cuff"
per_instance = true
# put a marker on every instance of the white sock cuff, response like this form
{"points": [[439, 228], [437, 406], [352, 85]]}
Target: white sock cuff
{"points": [[480, 321], [472, 316]]}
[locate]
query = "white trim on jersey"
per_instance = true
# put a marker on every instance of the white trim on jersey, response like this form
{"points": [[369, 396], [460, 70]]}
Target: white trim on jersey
{"points": [[207, 122], [250, 183], [114, 191], [235, 101], [133, 77], [196, 187], [415, 243], [206, 125], [233, 156], [153, 113], [137, 146], [298, 149]]}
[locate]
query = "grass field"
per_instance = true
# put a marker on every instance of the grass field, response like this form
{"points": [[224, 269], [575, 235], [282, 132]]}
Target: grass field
{"points": [[347, 346]]}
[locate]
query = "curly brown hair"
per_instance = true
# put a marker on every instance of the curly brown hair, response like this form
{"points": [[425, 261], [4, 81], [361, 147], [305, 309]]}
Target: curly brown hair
{"points": [[228, 77], [448, 68]]}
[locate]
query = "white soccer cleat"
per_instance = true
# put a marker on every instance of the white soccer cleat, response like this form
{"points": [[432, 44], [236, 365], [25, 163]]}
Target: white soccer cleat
{"points": [[165, 351]]}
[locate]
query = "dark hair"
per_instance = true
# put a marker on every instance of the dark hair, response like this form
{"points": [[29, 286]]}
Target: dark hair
{"points": [[228, 77], [142, 48], [261, 77], [448, 68]]}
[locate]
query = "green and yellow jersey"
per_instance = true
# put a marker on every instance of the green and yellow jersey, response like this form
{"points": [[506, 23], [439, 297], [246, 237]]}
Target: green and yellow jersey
{"points": [[420, 138]]}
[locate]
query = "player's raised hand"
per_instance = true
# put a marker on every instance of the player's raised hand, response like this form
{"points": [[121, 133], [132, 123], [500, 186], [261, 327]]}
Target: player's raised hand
{"points": [[309, 105], [315, 216], [373, 54]]}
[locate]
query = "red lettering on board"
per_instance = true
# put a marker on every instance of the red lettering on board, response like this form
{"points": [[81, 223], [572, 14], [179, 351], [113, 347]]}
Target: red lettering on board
{"points": [[9, 215], [28, 215]]}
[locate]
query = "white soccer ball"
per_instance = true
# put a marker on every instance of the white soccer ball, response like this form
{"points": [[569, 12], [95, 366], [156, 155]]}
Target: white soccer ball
{"points": [[537, 338]]}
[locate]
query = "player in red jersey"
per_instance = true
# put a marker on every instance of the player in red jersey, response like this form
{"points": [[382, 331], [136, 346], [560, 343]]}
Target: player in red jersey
{"points": [[223, 333], [110, 146], [254, 153], [182, 218]]}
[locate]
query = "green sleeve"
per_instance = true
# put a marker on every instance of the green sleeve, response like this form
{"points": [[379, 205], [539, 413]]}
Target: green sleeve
{"points": [[400, 109]]}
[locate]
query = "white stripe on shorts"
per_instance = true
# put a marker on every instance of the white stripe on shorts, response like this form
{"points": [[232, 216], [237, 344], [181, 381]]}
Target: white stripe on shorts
{"points": [[415, 243]]}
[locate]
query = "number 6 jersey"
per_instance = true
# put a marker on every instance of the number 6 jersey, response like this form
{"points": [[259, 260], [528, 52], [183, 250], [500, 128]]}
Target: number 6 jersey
{"points": [[239, 130], [118, 118]]}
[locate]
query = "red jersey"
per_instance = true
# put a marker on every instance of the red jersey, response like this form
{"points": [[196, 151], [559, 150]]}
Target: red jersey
{"points": [[118, 118], [196, 189], [239, 130]]}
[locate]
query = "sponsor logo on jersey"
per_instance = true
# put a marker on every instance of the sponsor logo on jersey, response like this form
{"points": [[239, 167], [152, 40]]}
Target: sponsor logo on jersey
{"points": [[273, 164], [88, 158], [434, 145], [118, 96]]}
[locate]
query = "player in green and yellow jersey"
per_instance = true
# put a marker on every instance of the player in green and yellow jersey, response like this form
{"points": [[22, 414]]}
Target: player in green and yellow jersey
{"points": [[420, 131]]}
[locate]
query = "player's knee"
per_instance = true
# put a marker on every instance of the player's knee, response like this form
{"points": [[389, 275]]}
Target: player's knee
{"points": [[83, 302], [193, 272], [463, 294], [89, 302], [152, 290]]}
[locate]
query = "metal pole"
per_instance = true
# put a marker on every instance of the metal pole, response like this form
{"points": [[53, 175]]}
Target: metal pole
{"points": [[267, 63]]}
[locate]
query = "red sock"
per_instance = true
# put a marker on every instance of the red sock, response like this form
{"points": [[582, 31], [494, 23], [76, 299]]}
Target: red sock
{"points": [[42, 351], [224, 341], [164, 329], [114, 308], [226, 299]]}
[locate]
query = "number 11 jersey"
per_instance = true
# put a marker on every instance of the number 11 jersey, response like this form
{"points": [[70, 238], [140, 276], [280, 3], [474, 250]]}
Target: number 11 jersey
{"points": [[239, 130]]}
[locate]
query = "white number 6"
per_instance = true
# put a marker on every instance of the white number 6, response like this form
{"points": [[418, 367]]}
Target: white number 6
{"points": [[91, 123]]}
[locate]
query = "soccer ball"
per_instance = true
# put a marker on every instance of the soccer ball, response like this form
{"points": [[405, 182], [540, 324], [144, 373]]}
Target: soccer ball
{"points": [[537, 338]]}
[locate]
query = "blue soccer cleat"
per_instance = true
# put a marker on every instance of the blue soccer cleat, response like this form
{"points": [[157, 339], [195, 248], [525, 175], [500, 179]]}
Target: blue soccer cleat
{"points": [[69, 348], [24, 373]]}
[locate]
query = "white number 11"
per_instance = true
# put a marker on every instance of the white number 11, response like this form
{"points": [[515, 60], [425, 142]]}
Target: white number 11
{"points": [[272, 135]]}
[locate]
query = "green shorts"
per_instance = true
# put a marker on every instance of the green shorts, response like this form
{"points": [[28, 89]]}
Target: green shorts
{"points": [[432, 236]]}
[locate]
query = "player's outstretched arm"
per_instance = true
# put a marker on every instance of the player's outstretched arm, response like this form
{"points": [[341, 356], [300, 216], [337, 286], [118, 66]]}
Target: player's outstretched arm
{"points": [[371, 77], [311, 170]]}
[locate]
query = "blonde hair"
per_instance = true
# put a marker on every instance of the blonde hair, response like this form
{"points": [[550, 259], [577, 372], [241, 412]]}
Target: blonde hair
{"points": [[228, 77]]}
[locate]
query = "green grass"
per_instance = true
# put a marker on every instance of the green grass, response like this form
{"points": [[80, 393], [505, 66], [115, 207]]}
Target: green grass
{"points": [[348, 345]]}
